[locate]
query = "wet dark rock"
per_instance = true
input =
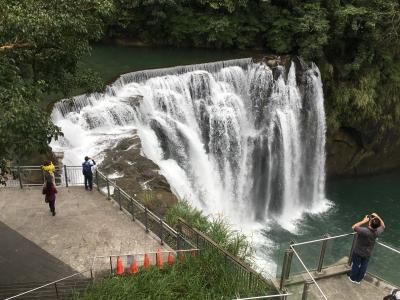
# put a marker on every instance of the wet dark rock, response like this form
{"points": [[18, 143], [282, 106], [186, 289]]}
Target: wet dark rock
{"points": [[139, 175], [134, 101]]}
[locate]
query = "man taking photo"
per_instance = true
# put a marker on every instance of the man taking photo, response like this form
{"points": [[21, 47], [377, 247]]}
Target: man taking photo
{"points": [[365, 242]]}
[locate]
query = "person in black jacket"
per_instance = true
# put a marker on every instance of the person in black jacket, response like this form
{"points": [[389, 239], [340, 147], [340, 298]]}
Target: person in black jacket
{"points": [[87, 172]]}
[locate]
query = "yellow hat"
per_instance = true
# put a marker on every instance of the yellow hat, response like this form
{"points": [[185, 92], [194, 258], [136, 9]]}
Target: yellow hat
{"points": [[49, 168]]}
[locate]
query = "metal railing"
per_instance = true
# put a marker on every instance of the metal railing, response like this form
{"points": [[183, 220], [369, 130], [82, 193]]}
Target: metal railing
{"points": [[25, 176], [280, 296], [241, 270], [337, 262], [107, 264], [57, 292]]}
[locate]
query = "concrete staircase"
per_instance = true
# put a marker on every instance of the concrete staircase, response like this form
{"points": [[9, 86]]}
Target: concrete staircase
{"points": [[65, 289]]}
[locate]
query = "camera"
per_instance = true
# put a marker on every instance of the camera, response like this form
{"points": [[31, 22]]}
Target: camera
{"points": [[370, 217]]}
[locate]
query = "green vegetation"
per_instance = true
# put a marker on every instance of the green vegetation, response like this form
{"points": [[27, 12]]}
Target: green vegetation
{"points": [[217, 229], [201, 277], [355, 42], [204, 276], [41, 43]]}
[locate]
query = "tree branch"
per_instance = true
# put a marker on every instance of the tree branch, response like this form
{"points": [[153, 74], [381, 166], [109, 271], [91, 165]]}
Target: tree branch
{"points": [[8, 47]]}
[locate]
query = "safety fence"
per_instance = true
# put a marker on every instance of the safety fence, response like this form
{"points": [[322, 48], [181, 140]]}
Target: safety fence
{"points": [[62, 288], [308, 262], [25, 176], [239, 269], [132, 263]]}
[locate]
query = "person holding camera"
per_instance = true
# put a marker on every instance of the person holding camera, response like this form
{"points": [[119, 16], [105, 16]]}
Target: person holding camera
{"points": [[87, 172], [366, 236]]}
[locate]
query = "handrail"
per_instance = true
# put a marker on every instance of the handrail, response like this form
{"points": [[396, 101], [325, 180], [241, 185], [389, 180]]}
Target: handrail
{"points": [[323, 239], [388, 247], [304, 266], [264, 297], [152, 252], [47, 284], [234, 258]]}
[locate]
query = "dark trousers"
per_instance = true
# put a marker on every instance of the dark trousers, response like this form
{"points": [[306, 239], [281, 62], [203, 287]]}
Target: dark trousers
{"points": [[52, 205], [359, 266], [88, 181]]}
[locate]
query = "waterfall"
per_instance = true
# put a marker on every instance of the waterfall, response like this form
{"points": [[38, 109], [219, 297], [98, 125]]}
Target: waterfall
{"points": [[232, 137]]}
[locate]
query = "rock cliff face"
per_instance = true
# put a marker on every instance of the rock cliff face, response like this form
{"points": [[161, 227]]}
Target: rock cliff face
{"points": [[356, 150], [137, 175], [349, 154]]}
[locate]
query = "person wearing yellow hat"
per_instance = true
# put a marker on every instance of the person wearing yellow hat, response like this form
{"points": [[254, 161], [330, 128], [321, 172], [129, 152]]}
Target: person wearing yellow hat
{"points": [[48, 169]]}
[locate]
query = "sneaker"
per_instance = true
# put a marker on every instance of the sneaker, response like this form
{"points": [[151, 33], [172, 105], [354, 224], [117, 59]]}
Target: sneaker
{"points": [[54, 213], [356, 282]]}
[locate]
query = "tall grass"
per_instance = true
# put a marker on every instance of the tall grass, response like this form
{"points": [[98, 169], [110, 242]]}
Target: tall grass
{"points": [[217, 229], [202, 277]]}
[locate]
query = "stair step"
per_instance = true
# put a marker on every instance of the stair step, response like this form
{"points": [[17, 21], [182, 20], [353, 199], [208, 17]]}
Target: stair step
{"points": [[64, 288]]}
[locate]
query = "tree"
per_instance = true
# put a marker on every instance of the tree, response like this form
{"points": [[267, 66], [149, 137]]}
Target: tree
{"points": [[41, 42]]}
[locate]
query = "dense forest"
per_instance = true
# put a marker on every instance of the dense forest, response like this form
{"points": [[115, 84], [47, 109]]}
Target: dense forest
{"points": [[354, 42]]}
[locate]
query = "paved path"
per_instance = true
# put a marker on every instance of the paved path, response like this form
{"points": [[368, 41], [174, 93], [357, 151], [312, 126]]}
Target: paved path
{"points": [[23, 261], [86, 224]]}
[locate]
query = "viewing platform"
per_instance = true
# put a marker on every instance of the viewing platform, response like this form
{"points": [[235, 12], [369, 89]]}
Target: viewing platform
{"points": [[86, 224], [318, 269]]}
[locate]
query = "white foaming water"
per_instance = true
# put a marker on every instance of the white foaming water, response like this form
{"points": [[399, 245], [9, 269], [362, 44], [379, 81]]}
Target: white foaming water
{"points": [[234, 138]]}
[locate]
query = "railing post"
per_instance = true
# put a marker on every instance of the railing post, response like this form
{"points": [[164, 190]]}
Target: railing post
{"points": [[178, 241], [108, 188], [55, 286], [288, 253], [178, 235], [322, 254], [289, 262], [250, 279], [306, 289], [161, 232], [118, 196], [65, 175], [146, 219], [97, 180], [19, 177], [132, 208], [284, 291], [352, 249]]}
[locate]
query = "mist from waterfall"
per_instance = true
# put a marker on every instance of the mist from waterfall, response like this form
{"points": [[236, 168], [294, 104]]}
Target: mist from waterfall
{"points": [[234, 137]]}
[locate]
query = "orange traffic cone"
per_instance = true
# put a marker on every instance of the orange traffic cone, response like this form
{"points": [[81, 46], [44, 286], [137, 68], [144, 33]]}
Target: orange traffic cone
{"points": [[159, 260], [133, 266], [170, 259], [120, 266], [146, 262]]}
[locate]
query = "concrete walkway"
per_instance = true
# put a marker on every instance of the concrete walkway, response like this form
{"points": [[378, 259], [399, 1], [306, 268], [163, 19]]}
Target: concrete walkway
{"points": [[86, 224], [24, 261]]}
